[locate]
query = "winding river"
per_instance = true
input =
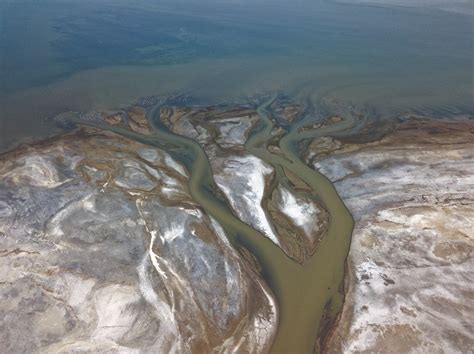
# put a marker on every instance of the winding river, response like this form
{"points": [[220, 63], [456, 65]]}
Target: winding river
{"points": [[306, 294]]}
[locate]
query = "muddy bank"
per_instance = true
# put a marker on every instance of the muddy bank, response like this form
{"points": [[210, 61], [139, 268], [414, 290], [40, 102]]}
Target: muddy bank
{"points": [[410, 263], [179, 214], [103, 249], [175, 228]]}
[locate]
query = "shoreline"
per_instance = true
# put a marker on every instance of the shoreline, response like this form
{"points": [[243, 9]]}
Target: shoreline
{"points": [[339, 320]]}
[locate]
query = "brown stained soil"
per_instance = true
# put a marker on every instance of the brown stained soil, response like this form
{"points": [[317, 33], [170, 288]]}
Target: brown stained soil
{"points": [[453, 246], [138, 121]]}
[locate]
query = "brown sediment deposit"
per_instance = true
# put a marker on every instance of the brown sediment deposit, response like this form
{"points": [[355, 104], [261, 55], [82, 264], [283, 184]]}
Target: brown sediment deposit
{"points": [[323, 124], [137, 120], [289, 112]]}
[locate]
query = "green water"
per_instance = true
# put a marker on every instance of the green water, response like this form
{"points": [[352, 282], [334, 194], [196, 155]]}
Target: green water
{"points": [[60, 55]]}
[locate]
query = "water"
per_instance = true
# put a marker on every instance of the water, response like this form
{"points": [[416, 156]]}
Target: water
{"points": [[308, 295], [69, 55]]}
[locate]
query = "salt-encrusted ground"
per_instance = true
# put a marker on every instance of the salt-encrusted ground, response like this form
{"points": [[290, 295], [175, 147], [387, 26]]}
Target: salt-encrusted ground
{"points": [[411, 266], [103, 250], [291, 220], [102, 247], [243, 180]]}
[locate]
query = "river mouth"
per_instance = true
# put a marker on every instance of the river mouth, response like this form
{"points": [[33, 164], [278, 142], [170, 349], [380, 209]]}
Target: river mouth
{"points": [[308, 287], [350, 75], [309, 293], [221, 146]]}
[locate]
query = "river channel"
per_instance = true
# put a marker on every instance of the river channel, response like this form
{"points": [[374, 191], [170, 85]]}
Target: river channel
{"points": [[309, 295]]}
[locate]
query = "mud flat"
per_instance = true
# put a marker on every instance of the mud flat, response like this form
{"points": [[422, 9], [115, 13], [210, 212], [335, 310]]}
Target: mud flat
{"points": [[173, 229], [166, 227], [103, 249], [304, 226], [410, 281]]}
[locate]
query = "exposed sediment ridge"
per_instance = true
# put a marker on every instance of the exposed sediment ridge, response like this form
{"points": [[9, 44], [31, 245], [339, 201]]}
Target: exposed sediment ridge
{"points": [[410, 264]]}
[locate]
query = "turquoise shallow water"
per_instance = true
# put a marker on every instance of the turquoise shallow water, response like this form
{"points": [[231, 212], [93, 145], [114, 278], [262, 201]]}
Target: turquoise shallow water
{"points": [[69, 55]]}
